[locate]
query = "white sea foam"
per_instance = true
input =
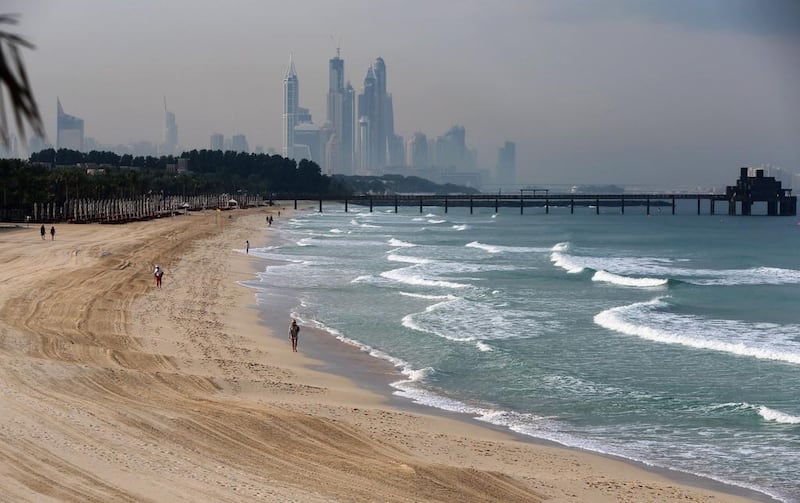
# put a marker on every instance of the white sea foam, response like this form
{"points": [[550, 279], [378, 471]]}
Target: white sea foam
{"points": [[566, 262], [366, 278], [461, 227], [763, 411], [356, 223], [409, 321], [436, 221], [482, 346], [399, 243], [304, 242], [500, 249], [616, 279], [407, 276], [336, 231], [752, 276], [393, 257], [431, 215], [441, 267], [662, 269], [428, 297], [777, 416], [649, 321]]}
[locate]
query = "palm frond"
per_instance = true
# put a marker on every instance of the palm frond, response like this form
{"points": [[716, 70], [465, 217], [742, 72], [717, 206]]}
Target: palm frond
{"points": [[14, 82]]}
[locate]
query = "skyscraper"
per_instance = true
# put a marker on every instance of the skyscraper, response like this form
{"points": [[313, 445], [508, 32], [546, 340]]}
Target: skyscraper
{"points": [[239, 143], [69, 130], [170, 131], [364, 142], [368, 117], [380, 113], [507, 165], [217, 141], [417, 151], [335, 118], [376, 104], [347, 142], [291, 100]]}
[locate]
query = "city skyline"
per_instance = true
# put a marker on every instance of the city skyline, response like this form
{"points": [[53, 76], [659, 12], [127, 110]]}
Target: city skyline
{"points": [[646, 92]]}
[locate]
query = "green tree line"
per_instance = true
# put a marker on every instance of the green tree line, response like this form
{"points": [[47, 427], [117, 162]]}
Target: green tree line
{"points": [[55, 176]]}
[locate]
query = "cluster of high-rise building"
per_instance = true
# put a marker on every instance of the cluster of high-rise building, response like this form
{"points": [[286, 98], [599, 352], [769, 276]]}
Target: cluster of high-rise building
{"points": [[236, 143], [358, 135]]}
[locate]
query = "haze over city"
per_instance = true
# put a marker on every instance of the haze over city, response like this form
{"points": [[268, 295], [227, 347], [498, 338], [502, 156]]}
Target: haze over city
{"points": [[655, 93]]}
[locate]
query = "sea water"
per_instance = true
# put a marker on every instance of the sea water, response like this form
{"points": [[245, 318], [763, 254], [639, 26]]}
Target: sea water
{"points": [[672, 340]]}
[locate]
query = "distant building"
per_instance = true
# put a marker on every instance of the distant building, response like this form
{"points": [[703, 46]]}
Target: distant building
{"points": [[417, 151], [170, 132], [291, 97], [451, 150], [335, 93], [333, 156], [239, 143], [217, 141], [364, 144], [12, 151], [506, 174], [69, 130], [347, 140], [375, 104], [339, 145], [308, 140], [37, 144]]}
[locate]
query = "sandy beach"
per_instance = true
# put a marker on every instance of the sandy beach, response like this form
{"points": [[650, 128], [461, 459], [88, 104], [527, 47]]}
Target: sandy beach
{"points": [[114, 390]]}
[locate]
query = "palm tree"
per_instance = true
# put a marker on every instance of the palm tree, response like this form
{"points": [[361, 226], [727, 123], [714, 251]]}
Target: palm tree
{"points": [[14, 79]]}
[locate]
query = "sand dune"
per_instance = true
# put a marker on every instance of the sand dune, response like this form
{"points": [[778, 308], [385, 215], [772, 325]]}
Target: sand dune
{"points": [[113, 390]]}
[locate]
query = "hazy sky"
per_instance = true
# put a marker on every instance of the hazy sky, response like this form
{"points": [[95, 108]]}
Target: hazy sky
{"points": [[659, 92]]}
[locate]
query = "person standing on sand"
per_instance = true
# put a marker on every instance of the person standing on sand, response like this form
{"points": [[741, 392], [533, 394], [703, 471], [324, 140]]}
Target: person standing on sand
{"points": [[42, 232], [157, 274], [52, 233], [294, 329], [247, 246]]}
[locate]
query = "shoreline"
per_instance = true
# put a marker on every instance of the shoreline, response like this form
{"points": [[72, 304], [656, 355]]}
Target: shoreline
{"points": [[114, 390], [332, 355]]}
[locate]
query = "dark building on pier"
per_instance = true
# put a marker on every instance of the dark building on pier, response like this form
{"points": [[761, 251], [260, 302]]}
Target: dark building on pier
{"points": [[760, 188]]}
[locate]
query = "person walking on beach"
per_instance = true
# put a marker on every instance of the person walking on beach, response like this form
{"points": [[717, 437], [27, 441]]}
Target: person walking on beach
{"points": [[52, 232], [247, 246], [294, 329], [42, 232], [157, 274]]}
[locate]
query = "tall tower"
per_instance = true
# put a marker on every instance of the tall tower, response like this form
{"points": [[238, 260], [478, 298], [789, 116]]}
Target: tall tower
{"points": [[368, 109], [364, 145], [507, 164], [347, 142], [170, 131], [291, 100], [336, 101], [379, 119], [69, 130]]}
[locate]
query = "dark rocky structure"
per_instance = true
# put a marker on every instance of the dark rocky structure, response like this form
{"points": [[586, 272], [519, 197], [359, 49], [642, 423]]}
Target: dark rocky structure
{"points": [[760, 188]]}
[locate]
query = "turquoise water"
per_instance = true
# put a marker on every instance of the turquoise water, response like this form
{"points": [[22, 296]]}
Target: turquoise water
{"points": [[673, 340]]}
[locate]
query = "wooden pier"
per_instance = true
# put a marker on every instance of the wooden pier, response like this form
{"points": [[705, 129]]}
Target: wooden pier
{"points": [[546, 201], [748, 189]]}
